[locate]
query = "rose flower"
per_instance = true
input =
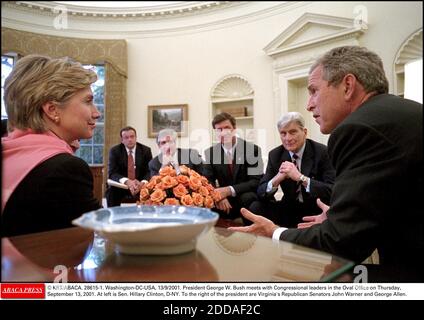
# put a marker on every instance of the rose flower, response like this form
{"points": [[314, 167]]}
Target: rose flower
{"points": [[180, 191], [171, 202], [169, 182], [208, 202], [158, 195], [167, 171], [203, 191], [187, 200], [195, 183], [188, 188], [144, 194], [197, 199]]}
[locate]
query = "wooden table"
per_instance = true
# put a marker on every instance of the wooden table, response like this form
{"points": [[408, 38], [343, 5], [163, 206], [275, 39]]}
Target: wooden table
{"points": [[220, 255]]}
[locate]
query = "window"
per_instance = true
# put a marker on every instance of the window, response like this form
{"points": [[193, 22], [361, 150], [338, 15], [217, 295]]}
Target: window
{"points": [[6, 67], [414, 80], [91, 150]]}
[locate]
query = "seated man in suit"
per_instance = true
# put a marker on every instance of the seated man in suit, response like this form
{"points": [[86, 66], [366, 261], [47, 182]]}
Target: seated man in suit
{"points": [[171, 155], [128, 164], [301, 167], [237, 166]]}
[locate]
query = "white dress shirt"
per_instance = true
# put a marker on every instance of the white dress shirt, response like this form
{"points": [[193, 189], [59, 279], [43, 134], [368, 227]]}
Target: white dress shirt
{"points": [[277, 233], [230, 153]]}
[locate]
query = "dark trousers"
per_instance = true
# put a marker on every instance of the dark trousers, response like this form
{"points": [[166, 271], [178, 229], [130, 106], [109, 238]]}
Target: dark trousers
{"points": [[283, 213], [116, 196], [243, 200]]}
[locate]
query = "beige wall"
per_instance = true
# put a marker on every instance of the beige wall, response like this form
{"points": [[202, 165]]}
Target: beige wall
{"points": [[184, 68]]}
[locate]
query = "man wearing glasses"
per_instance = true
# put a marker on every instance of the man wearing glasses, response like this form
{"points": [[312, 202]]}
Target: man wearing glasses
{"points": [[171, 155]]}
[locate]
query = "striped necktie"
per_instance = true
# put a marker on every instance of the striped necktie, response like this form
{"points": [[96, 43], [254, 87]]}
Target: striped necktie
{"points": [[294, 160], [131, 167], [295, 157]]}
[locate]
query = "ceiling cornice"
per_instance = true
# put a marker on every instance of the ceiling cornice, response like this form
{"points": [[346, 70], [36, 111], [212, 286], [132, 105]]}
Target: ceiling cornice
{"points": [[17, 16], [155, 12]]}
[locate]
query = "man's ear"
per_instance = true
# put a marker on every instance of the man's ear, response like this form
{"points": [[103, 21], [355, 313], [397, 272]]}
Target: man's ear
{"points": [[50, 110], [349, 82]]}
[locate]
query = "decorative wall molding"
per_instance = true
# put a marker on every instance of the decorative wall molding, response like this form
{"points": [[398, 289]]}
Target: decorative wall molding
{"points": [[133, 24], [313, 29], [411, 49], [232, 86], [183, 8], [296, 48]]}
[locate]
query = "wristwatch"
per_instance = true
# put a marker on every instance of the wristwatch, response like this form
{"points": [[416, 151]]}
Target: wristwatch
{"points": [[303, 179]]}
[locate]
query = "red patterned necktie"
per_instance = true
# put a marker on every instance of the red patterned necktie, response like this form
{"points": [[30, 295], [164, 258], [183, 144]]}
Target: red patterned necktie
{"points": [[131, 168]]}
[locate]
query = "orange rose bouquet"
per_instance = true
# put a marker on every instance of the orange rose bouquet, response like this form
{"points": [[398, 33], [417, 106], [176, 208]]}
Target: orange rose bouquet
{"points": [[188, 188]]}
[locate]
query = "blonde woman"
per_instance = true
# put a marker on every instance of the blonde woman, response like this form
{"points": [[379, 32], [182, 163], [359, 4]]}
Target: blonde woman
{"points": [[49, 104]]}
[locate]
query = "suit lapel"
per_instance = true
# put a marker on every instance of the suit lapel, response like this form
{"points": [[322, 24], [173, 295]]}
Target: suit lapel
{"points": [[159, 161], [124, 158], [138, 160], [179, 156], [285, 156], [307, 159]]}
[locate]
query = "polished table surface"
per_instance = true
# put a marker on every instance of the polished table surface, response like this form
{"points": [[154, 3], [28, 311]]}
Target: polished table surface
{"points": [[220, 255]]}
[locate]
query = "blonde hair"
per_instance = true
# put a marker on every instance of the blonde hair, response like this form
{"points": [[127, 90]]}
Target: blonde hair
{"points": [[37, 79]]}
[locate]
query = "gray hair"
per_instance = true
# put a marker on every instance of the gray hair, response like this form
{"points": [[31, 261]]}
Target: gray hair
{"points": [[291, 117], [365, 65], [166, 132]]}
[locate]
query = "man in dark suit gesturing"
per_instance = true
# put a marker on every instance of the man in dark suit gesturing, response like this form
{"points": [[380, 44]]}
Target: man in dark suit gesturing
{"points": [[235, 164], [301, 168], [128, 164], [376, 148], [171, 155]]}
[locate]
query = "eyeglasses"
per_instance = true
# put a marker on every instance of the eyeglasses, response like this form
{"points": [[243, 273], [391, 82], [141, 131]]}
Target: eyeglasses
{"points": [[164, 142]]}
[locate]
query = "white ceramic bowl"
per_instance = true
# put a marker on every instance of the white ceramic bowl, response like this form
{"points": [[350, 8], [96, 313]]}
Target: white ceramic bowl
{"points": [[150, 229]]}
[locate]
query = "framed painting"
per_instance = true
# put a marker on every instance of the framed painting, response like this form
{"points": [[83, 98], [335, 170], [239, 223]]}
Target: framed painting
{"points": [[173, 116]]}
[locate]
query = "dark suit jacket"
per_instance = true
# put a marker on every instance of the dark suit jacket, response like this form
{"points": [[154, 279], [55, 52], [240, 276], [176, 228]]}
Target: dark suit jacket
{"points": [[54, 193], [248, 167], [118, 162], [315, 164], [377, 199], [118, 168], [188, 157]]}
